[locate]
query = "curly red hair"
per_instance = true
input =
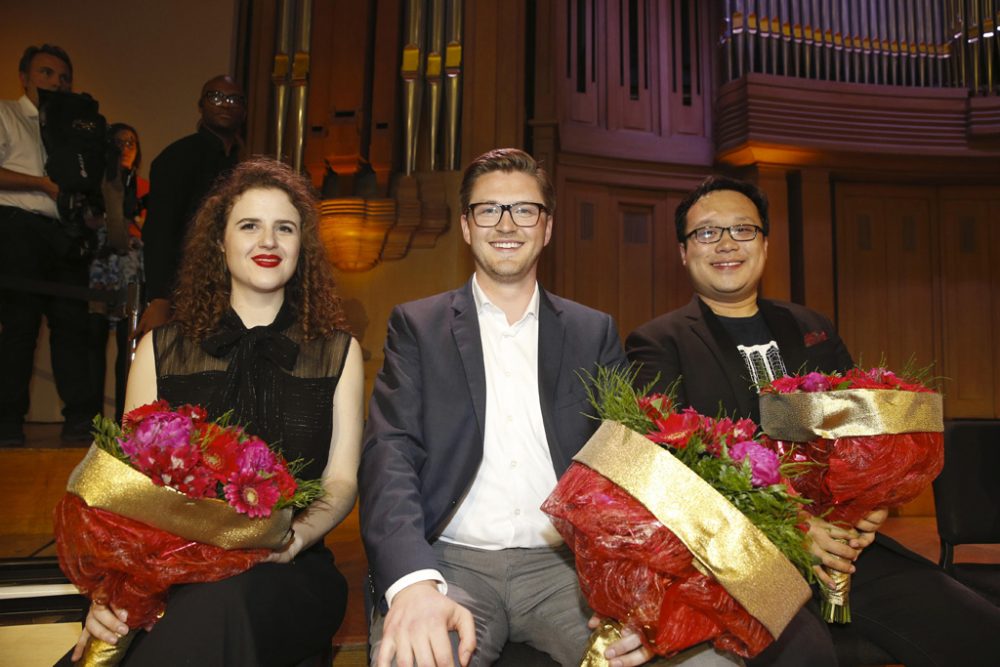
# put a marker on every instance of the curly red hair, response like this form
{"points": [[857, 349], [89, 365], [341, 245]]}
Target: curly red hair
{"points": [[203, 285]]}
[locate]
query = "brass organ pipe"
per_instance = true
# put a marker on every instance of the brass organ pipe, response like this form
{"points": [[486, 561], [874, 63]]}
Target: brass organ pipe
{"points": [[880, 38], [784, 14], [911, 46], [300, 81], [838, 41], [865, 36], [816, 48], [751, 34], [411, 71], [434, 72], [775, 28], [853, 25], [798, 38], [740, 30], [729, 37], [893, 31], [453, 83], [923, 37], [988, 39], [974, 42], [280, 72]]}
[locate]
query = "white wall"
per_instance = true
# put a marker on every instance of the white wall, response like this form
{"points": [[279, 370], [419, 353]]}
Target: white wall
{"points": [[143, 60]]}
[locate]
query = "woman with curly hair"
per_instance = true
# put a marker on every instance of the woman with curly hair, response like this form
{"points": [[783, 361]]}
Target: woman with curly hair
{"points": [[258, 329]]}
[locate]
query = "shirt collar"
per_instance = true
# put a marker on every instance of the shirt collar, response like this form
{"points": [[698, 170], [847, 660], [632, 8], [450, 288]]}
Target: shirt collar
{"points": [[482, 300], [28, 107]]}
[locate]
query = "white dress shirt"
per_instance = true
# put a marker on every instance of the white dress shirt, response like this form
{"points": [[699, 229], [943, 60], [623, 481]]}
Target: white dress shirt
{"points": [[501, 508], [21, 150]]}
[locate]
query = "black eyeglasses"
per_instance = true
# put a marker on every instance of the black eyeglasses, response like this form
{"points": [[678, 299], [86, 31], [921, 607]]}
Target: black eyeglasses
{"points": [[218, 98], [523, 213], [125, 143], [710, 235]]}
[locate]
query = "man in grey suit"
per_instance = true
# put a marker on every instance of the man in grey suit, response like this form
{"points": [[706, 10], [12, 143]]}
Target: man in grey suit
{"points": [[476, 412]]}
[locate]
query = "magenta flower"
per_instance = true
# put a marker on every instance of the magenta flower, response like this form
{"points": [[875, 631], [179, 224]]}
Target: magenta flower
{"points": [[167, 430], [763, 462], [815, 382], [257, 457]]}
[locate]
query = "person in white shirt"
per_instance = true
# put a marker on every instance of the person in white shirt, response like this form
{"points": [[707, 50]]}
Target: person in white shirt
{"points": [[37, 247], [476, 412]]}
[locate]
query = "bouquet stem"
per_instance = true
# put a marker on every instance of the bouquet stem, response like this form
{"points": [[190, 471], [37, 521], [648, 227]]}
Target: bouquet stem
{"points": [[606, 634], [102, 654], [836, 607]]}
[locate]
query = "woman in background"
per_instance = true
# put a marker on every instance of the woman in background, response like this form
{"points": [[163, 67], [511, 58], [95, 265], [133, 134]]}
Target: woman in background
{"points": [[118, 259]]}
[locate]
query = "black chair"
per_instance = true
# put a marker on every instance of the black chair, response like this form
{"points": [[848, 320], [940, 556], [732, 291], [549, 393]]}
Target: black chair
{"points": [[967, 500]]}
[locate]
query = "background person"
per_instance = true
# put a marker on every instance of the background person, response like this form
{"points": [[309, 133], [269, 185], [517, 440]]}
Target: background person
{"points": [[38, 247], [118, 260], [180, 176]]}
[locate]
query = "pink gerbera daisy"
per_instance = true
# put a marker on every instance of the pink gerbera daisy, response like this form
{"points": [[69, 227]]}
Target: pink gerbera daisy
{"points": [[251, 494]]}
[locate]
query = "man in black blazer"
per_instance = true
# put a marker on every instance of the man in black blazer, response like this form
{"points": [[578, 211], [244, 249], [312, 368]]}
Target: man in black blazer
{"points": [[718, 349], [477, 410]]}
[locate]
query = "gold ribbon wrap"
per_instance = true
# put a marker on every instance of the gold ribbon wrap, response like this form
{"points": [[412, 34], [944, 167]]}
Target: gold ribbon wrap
{"points": [[723, 541], [99, 653], [606, 634], [805, 416], [103, 481]]}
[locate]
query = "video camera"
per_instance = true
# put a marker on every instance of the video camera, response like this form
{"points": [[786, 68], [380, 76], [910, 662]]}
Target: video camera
{"points": [[73, 133]]}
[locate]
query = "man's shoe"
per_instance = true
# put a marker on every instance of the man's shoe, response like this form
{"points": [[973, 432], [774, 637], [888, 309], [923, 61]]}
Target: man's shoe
{"points": [[76, 430]]}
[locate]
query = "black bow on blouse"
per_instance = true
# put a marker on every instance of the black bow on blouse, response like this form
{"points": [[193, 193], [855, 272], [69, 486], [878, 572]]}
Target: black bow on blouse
{"points": [[255, 372]]}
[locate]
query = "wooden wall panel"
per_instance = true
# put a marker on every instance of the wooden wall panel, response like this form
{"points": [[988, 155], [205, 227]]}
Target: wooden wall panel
{"points": [[862, 271], [818, 273], [617, 251], [493, 101], [886, 275], [968, 307]]}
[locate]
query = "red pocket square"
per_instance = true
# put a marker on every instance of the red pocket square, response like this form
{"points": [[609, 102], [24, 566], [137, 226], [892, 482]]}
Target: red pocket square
{"points": [[814, 338]]}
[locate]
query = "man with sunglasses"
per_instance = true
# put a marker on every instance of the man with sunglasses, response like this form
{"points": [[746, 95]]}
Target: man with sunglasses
{"points": [[179, 178], [714, 352], [476, 412]]}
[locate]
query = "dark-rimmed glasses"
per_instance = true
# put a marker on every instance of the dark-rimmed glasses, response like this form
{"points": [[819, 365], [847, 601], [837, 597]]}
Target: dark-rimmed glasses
{"points": [[740, 233], [218, 98], [522, 213]]}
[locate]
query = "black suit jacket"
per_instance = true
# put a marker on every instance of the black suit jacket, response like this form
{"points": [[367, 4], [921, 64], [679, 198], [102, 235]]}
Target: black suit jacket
{"points": [[423, 441], [691, 343]]}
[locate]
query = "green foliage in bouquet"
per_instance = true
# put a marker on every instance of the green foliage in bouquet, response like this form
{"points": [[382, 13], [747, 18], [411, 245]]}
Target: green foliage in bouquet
{"points": [[721, 451]]}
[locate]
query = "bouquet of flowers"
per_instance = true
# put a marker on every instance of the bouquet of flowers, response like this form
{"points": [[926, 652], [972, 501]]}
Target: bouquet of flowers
{"points": [[878, 440], [682, 525], [170, 498]]}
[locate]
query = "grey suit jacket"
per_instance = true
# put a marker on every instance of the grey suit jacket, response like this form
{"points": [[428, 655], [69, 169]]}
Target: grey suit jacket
{"points": [[424, 438]]}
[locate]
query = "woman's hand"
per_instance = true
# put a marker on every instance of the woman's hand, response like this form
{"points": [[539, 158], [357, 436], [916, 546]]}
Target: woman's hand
{"points": [[830, 547], [867, 528], [103, 622], [288, 552]]}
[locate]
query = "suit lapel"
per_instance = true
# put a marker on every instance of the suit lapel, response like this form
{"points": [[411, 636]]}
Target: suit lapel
{"points": [[707, 327], [465, 329], [551, 331]]}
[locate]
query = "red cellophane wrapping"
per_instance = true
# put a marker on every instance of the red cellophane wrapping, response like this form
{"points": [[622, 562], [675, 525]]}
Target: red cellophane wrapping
{"points": [[114, 559], [632, 568], [865, 473]]}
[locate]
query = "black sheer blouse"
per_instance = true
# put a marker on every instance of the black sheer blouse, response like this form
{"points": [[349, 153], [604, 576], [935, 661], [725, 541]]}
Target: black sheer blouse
{"points": [[279, 386]]}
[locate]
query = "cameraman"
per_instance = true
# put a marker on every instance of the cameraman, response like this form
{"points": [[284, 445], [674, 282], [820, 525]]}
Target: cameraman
{"points": [[37, 247]]}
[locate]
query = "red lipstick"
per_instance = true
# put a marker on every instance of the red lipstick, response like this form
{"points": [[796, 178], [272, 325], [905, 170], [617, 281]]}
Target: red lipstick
{"points": [[266, 261]]}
